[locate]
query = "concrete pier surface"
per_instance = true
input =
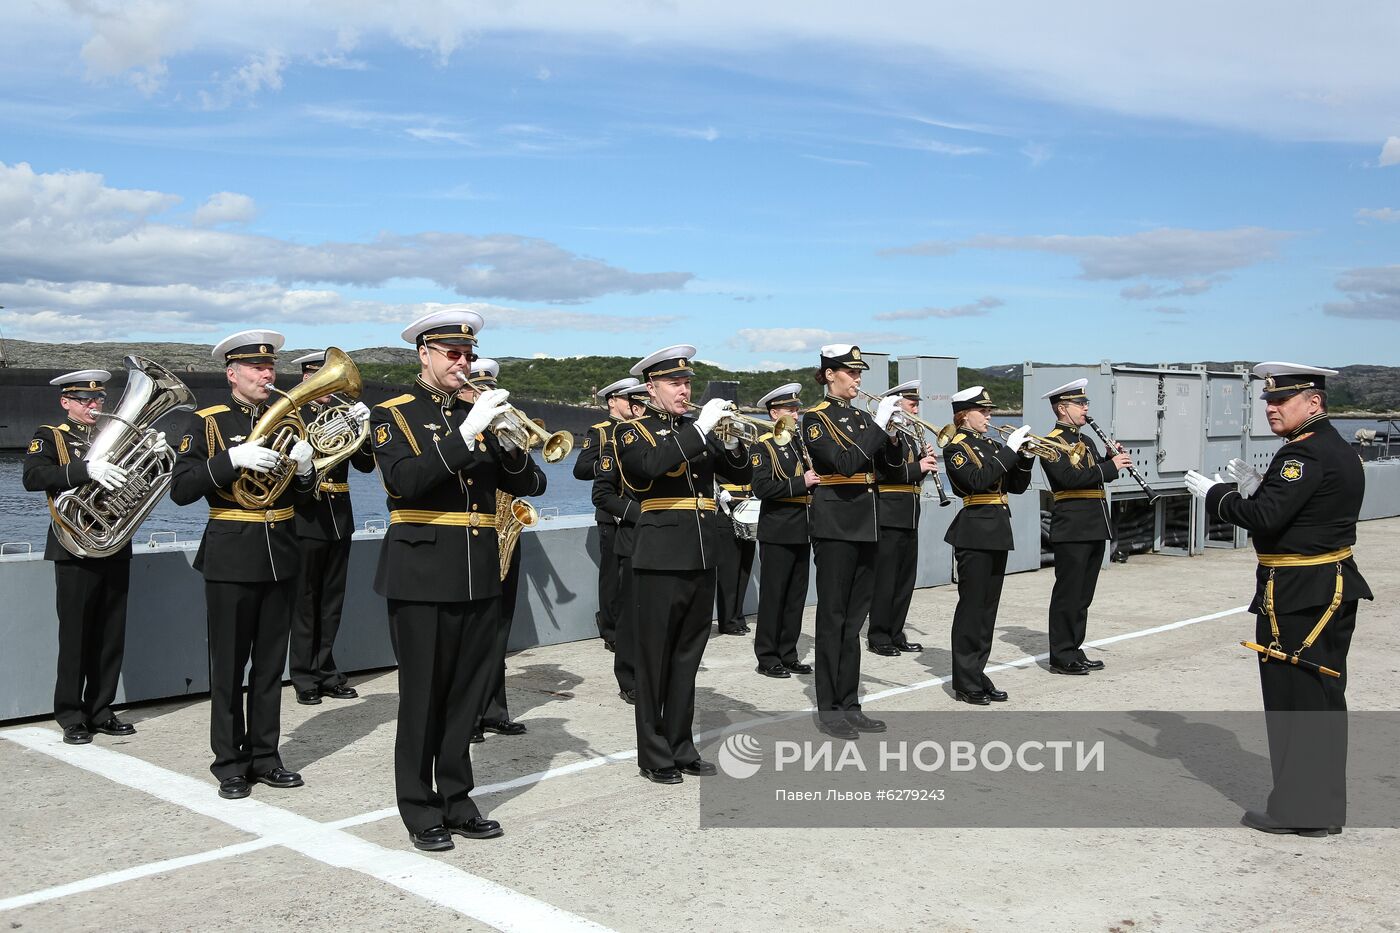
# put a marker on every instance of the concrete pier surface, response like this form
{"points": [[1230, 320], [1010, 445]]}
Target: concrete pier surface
{"points": [[129, 834]]}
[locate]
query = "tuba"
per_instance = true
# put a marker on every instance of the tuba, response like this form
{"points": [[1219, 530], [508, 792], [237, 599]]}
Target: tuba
{"points": [[90, 521], [281, 426], [518, 515]]}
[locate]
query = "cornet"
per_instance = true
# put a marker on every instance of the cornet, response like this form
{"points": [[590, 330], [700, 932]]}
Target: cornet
{"points": [[913, 427], [736, 427], [1046, 448], [524, 432]]}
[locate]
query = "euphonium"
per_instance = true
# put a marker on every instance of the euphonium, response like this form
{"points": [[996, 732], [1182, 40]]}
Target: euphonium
{"points": [[281, 426], [513, 515], [90, 521]]}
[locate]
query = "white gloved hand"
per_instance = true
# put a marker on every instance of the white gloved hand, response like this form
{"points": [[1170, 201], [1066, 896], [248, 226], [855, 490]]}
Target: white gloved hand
{"points": [[301, 455], [1200, 484], [107, 475], [731, 443], [886, 411], [358, 414], [489, 406], [711, 414], [161, 445], [1247, 477], [725, 496], [1019, 438], [253, 456]]}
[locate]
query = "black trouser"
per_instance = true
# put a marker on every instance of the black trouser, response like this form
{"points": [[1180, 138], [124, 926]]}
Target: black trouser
{"points": [[782, 594], [247, 621], [980, 575], [625, 647], [673, 625], [444, 656], [320, 599], [1077, 566], [91, 602], [733, 567], [894, 585], [845, 583], [496, 709], [609, 578], [1305, 713]]}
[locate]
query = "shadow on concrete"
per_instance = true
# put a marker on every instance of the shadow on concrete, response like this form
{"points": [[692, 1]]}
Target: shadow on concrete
{"points": [[340, 723], [1210, 753]]}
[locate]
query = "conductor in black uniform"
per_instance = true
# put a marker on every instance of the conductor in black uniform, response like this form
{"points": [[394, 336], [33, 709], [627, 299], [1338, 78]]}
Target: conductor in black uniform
{"points": [[900, 489], [250, 560], [91, 591], [325, 522], [669, 459], [984, 472], [783, 480], [628, 399], [439, 569], [845, 444], [1301, 514], [1079, 527]]}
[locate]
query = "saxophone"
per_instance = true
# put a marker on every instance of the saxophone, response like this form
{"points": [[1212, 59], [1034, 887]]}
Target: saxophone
{"points": [[518, 515]]}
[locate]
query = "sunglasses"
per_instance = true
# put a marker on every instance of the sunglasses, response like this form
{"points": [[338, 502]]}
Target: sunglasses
{"points": [[454, 355]]}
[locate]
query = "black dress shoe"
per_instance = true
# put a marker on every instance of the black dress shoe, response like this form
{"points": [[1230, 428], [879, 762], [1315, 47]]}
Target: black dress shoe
{"points": [[234, 788], [773, 670], [662, 775], [340, 692], [797, 667], [114, 726], [1073, 667], [911, 646], [478, 827], [478, 736], [837, 728], [1267, 824], [432, 839], [309, 697], [503, 726], [610, 645], [699, 767], [744, 628], [732, 630], [1094, 665], [279, 777], [628, 696], [889, 651], [864, 723], [76, 734], [995, 695], [975, 697]]}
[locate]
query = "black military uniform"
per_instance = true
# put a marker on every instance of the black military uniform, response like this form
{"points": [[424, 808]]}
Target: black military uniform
{"points": [[612, 498], [733, 563], [1302, 519], [901, 499], [845, 444], [609, 565], [325, 522], [670, 466], [1079, 529], [786, 551], [983, 471], [439, 569], [250, 561], [91, 592]]}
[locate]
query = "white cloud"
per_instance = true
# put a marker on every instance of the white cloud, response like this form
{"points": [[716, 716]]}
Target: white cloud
{"points": [[226, 207], [976, 309], [1387, 215], [1037, 153], [1372, 294], [807, 339], [1187, 288], [1390, 152], [709, 134], [834, 161]]}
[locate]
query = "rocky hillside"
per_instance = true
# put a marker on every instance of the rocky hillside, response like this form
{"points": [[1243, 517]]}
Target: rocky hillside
{"points": [[179, 357]]}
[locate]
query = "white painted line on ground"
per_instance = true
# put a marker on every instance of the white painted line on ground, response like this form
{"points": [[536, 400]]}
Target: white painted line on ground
{"points": [[431, 879]]}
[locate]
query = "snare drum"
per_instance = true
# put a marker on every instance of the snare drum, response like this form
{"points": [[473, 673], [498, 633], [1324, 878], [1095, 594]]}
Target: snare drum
{"points": [[745, 517]]}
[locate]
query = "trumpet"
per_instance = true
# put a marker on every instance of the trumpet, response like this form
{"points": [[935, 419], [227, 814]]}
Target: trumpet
{"points": [[1046, 448], [525, 432], [742, 428], [915, 429]]}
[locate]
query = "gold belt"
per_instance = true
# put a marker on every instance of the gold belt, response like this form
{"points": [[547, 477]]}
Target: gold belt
{"points": [[247, 515], [986, 498], [457, 519], [687, 505], [734, 488], [836, 479], [1304, 560], [1078, 494], [795, 500], [900, 487], [335, 487]]}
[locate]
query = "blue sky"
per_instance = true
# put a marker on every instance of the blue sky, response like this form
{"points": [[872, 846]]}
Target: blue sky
{"points": [[1061, 185]]}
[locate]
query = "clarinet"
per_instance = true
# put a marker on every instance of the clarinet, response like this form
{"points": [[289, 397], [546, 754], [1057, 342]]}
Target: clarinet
{"points": [[1111, 444]]}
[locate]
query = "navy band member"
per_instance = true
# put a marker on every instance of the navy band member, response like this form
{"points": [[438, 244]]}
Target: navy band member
{"points": [[1079, 526], [783, 481], [90, 591], [250, 561], [495, 716], [901, 498], [629, 398], [669, 459], [439, 569], [733, 560], [324, 522], [845, 445], [586, 469], [1301, 515], [984, 472]]}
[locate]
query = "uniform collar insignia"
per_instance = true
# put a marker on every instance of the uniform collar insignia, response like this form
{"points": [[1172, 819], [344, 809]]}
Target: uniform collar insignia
{"points": [[238, 438], [433, 427]]}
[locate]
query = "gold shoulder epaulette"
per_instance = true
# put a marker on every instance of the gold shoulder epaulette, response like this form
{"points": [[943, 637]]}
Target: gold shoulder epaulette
{"points": [[1055, 433], [1300, 437], [55, 427], [819, 406], [211, 410], [602, 424], [958, 438], [766, 437], [396, 400]]}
